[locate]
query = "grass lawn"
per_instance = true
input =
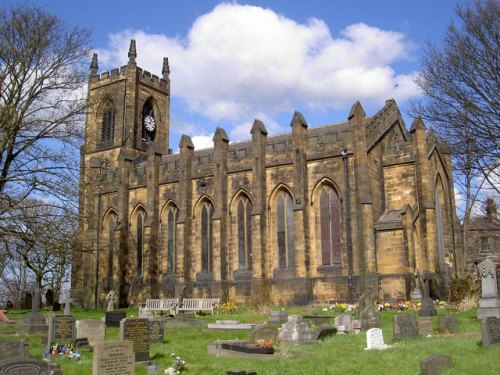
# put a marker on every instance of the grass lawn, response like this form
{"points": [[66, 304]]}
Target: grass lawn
{"points": [[336, 355]]}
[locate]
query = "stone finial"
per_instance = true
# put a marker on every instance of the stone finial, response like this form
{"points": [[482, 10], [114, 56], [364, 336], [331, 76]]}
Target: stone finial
{"points": [[132, 52], [186, 142], [417, 123], [220, 135], [165, 69], [298, 120], [93, 65], [258, 127], [356, 109]]}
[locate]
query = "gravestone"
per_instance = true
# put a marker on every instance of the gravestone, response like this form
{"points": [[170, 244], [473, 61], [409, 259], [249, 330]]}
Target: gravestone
{"points": [[405, 326], [156, 331], [428, 308], [136, 330], [369, 316], [245, 347], [67, 304], [278, 316], [489, 304], [111, 300], [490, 331], [425, 325], [448, 323], [434, 364], [61, 329], [113, 318], [375, 339], [113, 358], [13, 349], [265, 333], [34, 322], [28, 366], [416, 295], [344, 320], [296, 331], [93, 329]]}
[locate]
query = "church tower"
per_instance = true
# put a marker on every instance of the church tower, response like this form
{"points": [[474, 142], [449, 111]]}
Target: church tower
{"points": [[128, 117]]}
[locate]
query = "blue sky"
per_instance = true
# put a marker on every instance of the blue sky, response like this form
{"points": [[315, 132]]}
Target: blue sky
{"points": [[232, 62]]}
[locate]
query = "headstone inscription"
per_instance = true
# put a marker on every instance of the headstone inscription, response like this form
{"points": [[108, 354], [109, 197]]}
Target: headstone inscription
{"points": [[375, 339], [434, 364], [448, 323], [113, 318], [490, 331], [13, 349], [61, 329], [265, 334], [136, 330], [156, 331], [405, 326], [28, 366], [113, 358], [93, 329], [489, 304]]}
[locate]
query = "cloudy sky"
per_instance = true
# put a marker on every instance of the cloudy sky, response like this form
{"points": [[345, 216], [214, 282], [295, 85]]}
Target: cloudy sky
{"points": [[232, 62]]}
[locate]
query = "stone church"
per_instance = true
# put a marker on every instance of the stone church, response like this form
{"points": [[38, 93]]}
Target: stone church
{"points": [[321, 213]]}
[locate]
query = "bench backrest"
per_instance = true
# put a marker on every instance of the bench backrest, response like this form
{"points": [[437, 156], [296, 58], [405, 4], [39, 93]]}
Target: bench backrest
{"points": [[161, 304]]}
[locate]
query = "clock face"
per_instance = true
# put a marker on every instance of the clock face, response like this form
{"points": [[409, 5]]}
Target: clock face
{"points": [[149, 123]]}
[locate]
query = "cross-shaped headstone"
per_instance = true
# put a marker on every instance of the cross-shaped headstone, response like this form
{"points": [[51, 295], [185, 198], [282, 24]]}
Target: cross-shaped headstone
{"points": [[67, 304]]}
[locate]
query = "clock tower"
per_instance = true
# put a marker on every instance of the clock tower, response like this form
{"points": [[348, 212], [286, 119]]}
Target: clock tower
{"points": [[127, 122]]}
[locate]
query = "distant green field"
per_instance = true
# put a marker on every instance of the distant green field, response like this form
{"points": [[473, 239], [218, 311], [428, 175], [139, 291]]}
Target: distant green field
{"points": [[336, 355]]}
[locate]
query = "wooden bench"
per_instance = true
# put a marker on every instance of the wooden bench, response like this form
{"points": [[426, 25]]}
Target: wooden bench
{"points": [[156, 305], [198, 304]]}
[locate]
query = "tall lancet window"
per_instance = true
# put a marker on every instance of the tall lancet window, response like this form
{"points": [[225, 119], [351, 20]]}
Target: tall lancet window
{"points": [[329, 207], [244, 234], [285, 232], [173, 214], [206, 237]]}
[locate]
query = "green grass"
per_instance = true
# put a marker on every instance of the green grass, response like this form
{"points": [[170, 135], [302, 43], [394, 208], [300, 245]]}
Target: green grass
{"points": [[336, 355]]}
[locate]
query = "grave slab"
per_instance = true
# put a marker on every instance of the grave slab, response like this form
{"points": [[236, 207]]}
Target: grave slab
{"points": [[405, 326], [93, 329], [13, 349], [435, 364], [61, 329], [113, 318], [448, 323], [156, 331], [136, 330]]}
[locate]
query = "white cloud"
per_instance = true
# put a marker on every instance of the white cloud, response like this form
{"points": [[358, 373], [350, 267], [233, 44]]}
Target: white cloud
{"points": [[239, 61]]}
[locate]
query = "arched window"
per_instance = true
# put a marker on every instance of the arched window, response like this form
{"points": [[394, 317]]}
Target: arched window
{"points": [[171, 239], [108, 122], [140, 242], [439, 224], [244, 234], [285, 231], [111, 242], [206, 237], [329, 212]]}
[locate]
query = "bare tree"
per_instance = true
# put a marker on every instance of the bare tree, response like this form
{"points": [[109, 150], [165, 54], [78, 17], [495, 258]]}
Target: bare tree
{"points": [[460, 82], [42, 103]]}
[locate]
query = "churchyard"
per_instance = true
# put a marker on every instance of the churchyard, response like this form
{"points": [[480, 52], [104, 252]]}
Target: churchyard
{"points": [[205, 342]]}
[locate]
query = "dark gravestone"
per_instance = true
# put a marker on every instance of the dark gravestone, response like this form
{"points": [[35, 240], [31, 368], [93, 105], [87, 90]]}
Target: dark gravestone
{"points": [[13, 349], [49, 297], [113, 318], [28, 366], [448, 323], [434, 364], [324, 332], [136, 330], [156, 331], [490, 331], [56, 306], [245, 347], [428, 308], [405, 327], [265, 334], [28, 301], [61, 329]]}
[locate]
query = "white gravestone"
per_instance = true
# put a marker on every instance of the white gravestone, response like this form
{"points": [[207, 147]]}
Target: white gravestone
{"points": [[489, 305], [375, 339]]}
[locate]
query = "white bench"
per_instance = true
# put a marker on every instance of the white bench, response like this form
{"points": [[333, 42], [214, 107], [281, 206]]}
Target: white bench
{"points": [[198, 304], [155, 305]]}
